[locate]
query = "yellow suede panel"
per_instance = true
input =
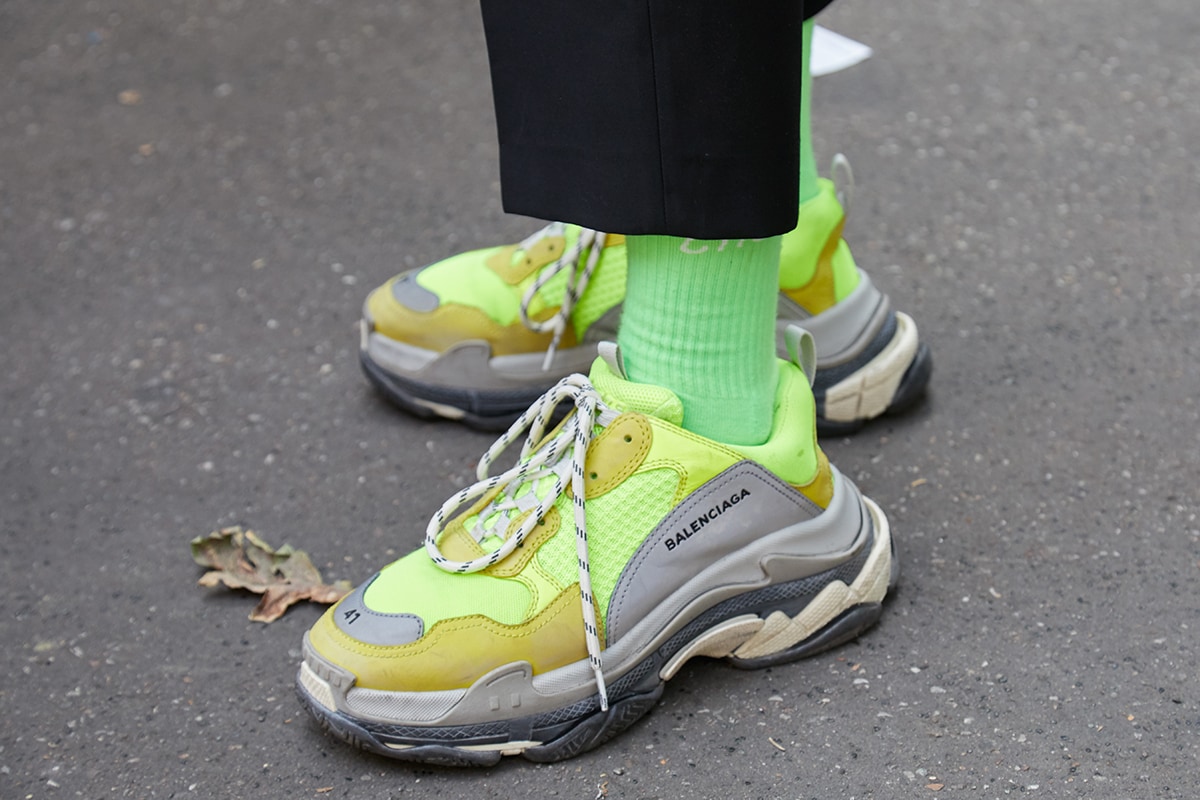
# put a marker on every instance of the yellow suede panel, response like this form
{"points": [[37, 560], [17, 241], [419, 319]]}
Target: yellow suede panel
{"points": [[454, 653], [542, 252], [820, 488], [820, 292], [458, 545], [616, 454], [448, 325]]}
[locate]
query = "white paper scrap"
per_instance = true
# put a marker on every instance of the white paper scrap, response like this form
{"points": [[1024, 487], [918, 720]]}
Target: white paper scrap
{"points": [[832, 52]]}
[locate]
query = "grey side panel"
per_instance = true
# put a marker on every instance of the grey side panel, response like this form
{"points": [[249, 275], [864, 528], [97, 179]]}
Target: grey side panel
{"points": [[842, 331], [354, 618], [742, 504], [413, 295]]}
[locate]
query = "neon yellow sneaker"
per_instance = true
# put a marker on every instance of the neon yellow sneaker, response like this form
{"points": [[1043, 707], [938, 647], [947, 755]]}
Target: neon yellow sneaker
{"points": [[481, 335], [552, 601]]}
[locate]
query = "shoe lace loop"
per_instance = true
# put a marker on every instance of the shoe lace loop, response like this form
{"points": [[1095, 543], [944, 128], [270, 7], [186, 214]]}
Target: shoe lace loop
{"points": [[560, 458], [577, 281]]}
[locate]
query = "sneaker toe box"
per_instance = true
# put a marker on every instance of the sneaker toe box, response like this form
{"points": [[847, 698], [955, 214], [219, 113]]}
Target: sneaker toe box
{"points": [[415, 628]]}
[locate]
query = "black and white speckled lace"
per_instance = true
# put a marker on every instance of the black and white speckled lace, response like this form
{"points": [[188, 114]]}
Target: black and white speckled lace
{"points": [[543, 459], [577, 280]]}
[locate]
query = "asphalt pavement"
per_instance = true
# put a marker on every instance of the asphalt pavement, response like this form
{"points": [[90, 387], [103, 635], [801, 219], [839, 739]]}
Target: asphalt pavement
{"points": [[195, 197]]}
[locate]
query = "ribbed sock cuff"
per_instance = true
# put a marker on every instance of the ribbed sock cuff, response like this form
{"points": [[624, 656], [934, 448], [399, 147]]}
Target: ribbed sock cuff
{"points": [[699, 319]]}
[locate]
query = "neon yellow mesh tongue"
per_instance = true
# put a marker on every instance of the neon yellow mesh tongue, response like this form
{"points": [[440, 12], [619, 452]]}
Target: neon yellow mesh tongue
{"points": [[625, 395]]}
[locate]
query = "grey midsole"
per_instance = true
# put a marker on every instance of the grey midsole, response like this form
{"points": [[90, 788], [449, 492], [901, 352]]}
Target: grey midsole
{"points": [[765, 562], [471, 365]]}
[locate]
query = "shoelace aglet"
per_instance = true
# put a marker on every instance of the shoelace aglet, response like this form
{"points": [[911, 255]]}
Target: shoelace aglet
{"points": [[602, 687]]}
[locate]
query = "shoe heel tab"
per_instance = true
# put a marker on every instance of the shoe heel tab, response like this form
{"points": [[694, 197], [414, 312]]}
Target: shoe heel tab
{"points": [[802, 350], [843, 180], [610, 354]]}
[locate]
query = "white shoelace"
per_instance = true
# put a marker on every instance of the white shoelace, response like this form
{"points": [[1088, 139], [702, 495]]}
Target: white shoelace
{"points": [[553, 458], [577, 280]]}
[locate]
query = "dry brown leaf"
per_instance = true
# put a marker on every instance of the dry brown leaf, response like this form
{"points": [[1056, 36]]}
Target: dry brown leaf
{"points": [[241, 560]]}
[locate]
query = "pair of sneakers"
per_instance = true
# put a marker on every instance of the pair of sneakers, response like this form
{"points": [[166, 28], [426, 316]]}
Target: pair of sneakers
{"points": [[553, 600], [479, 336]]}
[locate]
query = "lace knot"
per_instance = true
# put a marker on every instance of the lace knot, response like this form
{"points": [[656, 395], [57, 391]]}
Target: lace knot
{"points": [[558, 458]]}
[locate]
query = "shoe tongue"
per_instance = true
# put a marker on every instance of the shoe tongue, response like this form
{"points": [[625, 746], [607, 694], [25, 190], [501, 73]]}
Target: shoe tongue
{"points": [[622, 394]]}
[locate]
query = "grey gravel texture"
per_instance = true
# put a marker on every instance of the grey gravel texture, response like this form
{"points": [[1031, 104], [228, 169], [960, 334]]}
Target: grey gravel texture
{"points": [[195, 196]]}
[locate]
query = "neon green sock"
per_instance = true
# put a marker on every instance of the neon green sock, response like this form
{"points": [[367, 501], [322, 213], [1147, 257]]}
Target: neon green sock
{"points": [[699, 319], [808, 159]]}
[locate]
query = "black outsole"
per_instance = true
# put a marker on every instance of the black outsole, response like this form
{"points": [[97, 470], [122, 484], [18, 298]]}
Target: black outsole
{"points": [[572, 730], [914, 383]]}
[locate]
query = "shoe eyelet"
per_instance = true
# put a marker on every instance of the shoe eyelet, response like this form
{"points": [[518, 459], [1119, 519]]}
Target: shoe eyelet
{"points": [[592, 475], [628, 438]]}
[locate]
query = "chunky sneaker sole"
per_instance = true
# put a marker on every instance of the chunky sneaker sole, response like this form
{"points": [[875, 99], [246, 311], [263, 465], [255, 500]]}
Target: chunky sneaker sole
{"points": [[465, 383], [870, 363], [761, 608], [552, 602], [479, 336], [870, 360]]}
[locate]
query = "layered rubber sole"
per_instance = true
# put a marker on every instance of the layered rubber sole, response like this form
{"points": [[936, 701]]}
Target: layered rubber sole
{"points": [[550, 717], [888, 376], [482, 409]]}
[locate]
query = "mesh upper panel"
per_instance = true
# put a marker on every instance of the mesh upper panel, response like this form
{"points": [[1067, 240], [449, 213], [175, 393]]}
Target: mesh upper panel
{"points": [[617, 522]]}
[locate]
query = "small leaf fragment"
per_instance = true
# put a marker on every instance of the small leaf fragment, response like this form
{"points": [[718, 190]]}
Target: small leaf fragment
{"points": [[240, 559]]}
